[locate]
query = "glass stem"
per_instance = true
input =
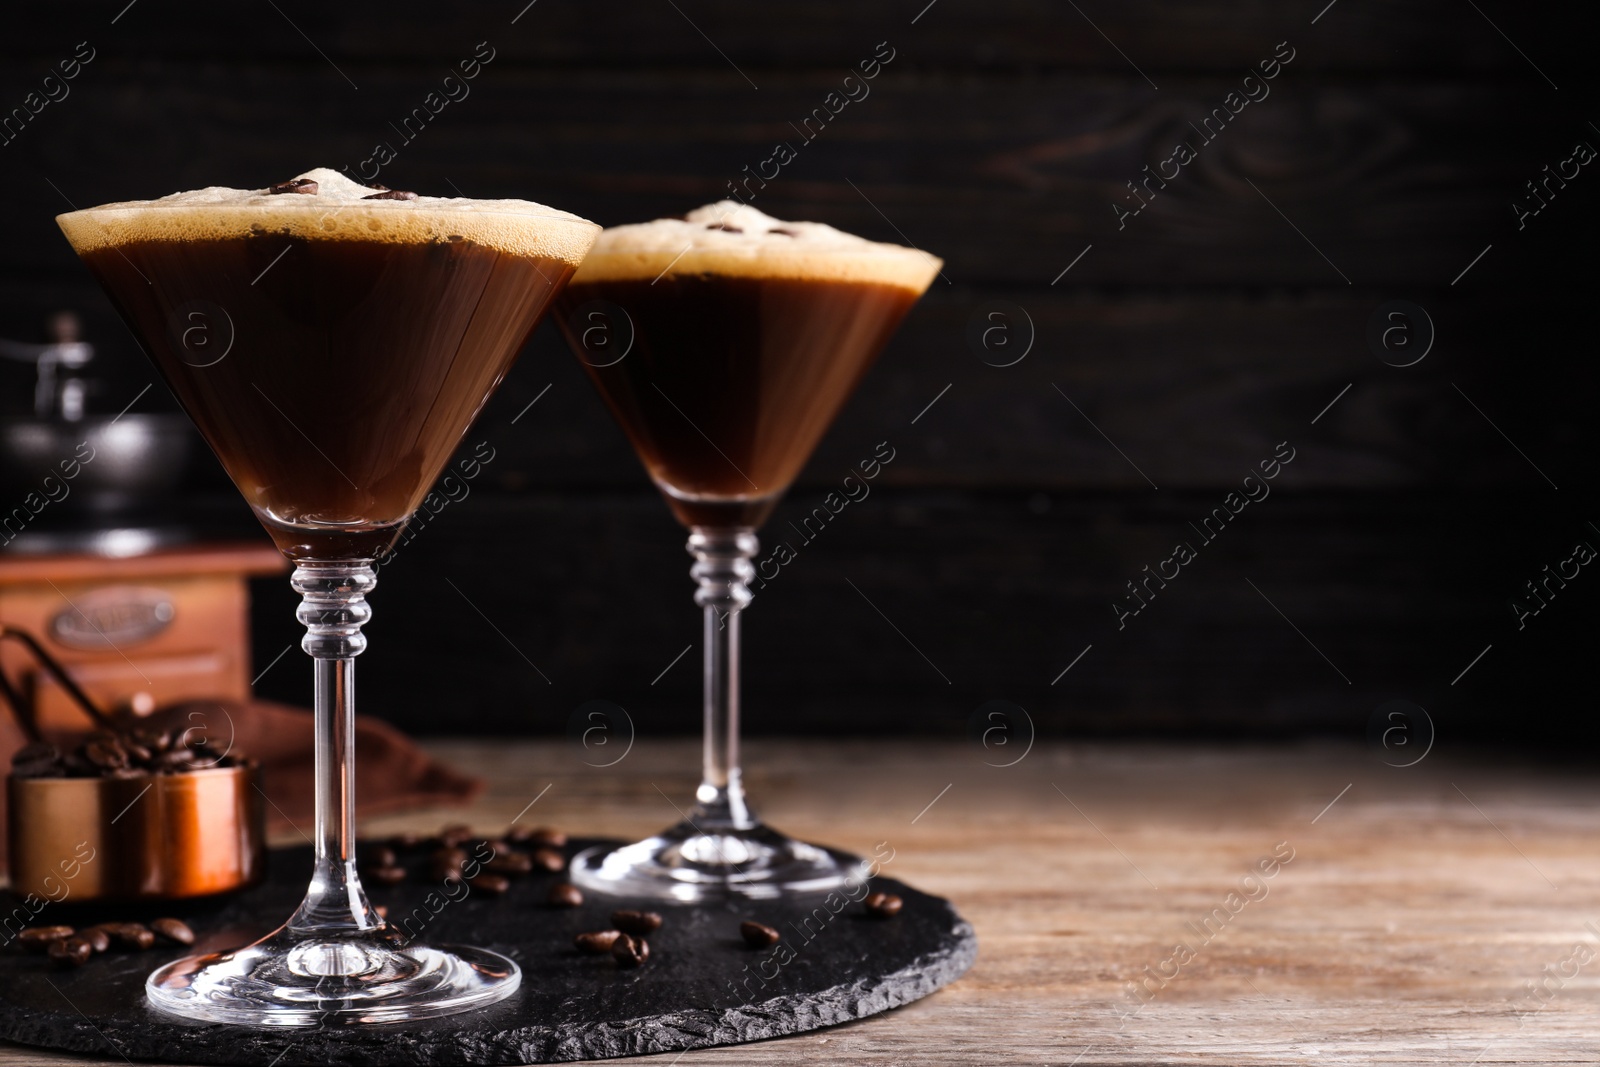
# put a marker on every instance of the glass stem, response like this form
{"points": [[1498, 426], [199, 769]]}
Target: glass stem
{"points": [[723, 569], [333, 609]]}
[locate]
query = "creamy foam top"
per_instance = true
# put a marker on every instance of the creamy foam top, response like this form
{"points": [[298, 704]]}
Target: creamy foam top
{"points": [[733, 238], [337, 211]]}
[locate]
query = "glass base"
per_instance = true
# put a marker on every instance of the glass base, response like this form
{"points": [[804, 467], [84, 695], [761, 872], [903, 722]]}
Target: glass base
{"points": [[690, 863], [312, 981]]}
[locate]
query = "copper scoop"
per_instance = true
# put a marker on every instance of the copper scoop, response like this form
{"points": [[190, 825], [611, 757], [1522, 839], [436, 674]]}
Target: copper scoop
{"points": [[134, 836]]}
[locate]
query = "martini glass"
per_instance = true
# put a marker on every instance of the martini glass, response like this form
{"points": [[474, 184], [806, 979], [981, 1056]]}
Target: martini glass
{"points": [[724, 368], [333, 354]]}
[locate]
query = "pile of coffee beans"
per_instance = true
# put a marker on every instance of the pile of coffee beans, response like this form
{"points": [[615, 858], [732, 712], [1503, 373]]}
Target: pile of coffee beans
{"points": [[122, 754], [73, 947], [457, 854]]}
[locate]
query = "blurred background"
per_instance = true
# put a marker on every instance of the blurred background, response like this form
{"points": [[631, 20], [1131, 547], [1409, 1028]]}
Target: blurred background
{"points": [[1104, 361]]}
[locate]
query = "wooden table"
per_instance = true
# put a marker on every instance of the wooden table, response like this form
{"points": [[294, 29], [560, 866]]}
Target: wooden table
{"points": [[1418, 910]]}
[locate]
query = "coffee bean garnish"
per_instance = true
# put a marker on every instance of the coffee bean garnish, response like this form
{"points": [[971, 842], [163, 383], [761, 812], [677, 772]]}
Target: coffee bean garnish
{"points": [[392, 194], [636, 922], [596, 941], [376, 187], [509, 862], [630, 951], [883, 905], [175, 930], [784, 231], [548, 859], [390, 875], [294, 185], [493, 884], [564, 895], [71, 951], [758, 935], [38, 938], [724, 227]]}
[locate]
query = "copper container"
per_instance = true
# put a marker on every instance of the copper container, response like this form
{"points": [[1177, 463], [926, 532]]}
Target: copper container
{"points": [[159, 836], [143, 837]]}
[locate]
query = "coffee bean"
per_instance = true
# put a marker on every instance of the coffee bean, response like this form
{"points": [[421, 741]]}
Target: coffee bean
{"points": [[636, 922], [71, 951], [451, 836], [98, 939], [596, 940], [378, 856], [883, 905], [784, 232], [294, 185], [723, 226], [537, 835], [392, 194], [493, 884], [38, 938], [377, 188], [564, 895], [130, 935], [509, 862], [758, 935], [175, 930], [37, 752], [630, 951], [388, 875], [548, 859], [107, 754]]}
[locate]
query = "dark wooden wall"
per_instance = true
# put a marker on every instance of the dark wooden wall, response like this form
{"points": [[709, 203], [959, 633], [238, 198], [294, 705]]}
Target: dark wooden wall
{"points": [[1217, 323]]}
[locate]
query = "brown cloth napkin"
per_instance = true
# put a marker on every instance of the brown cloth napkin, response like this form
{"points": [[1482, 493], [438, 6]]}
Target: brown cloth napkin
{"points": [[392, 773]]}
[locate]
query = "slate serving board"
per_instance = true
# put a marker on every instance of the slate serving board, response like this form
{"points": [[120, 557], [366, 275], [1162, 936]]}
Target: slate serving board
{"points": [[702, 986]]}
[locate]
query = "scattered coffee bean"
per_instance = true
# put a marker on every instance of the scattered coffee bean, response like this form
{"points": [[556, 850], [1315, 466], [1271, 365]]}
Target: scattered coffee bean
{"points": [[175, 930], [38, 938], [758, 935], [98, 939], [564, 895], [392, 875], [883, 905], [548, 859], [451, 836], [392, 194], [537, 835], [509, 862], [636, 922], [294, 185], [130, 935], [493, 884], [630, 951], [71, 951], [378, 856], [596, 940]]}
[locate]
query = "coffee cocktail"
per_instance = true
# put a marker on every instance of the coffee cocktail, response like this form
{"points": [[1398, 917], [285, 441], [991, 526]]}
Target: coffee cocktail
{"points": [[740, 338], [333, 343]]}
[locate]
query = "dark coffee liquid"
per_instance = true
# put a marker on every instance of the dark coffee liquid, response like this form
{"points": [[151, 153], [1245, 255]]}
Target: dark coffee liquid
{"points": [[731, 380], [333, 378]]}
